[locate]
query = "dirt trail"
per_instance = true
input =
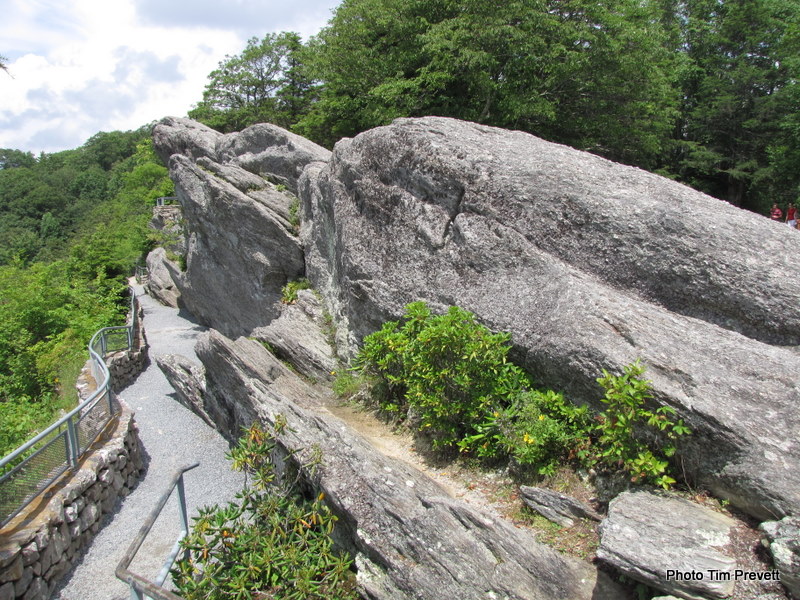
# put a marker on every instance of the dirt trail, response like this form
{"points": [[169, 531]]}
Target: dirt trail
{"points": [[494, 493]]}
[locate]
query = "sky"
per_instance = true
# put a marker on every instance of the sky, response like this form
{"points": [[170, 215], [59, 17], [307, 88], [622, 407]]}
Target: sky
{"points": [[77, 67]]}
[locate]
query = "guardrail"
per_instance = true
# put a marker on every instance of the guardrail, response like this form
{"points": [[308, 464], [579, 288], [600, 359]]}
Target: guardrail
{"points": [[140, 587], [32, 467], [166, 200]]}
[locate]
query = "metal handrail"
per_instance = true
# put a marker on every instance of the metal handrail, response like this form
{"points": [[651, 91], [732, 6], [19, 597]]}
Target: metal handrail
{"points": [[139, 586], [73, 450]]}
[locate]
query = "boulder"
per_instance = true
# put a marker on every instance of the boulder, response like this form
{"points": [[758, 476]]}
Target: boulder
{"points": [[240, 250], [410, 539], [271, 152], [264, 150], [555, 506], [670, 544], [783, 540], [175, 135], [168, 221], [241, 242], [298, 336], [161, 276], [187, 379], [590, 265]]}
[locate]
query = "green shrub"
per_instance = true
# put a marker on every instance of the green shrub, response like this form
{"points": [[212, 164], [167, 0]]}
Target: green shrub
{"points": [[452, 370], [544, 430], [289, 291], [619, 445], [271, 543], [346, 385]]}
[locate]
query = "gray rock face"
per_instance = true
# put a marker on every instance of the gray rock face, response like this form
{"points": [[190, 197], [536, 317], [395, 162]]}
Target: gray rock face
{"points": [[174, 135], [589, 265], [188, 380], [162, 274], [240, 252], [555, 506], [784, 544], [410, 539], [241, 244], [297, 335], [271, 152], [670, 544]]}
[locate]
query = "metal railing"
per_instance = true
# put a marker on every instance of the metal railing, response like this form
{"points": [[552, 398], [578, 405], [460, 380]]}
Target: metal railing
{"points": [[142, 274], [166, 200], [140, 587], [31, 468]]}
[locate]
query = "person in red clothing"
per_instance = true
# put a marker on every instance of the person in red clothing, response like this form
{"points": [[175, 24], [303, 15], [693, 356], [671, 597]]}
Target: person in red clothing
{"points": [[776, 214], [791, 215]]}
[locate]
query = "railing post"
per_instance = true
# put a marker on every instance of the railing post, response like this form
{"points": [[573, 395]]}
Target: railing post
{"points": [[110, 395], [72, 436], [103, 345]]}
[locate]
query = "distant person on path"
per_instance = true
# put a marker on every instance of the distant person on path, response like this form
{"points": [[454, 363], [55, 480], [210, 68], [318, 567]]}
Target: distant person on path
{"points": [[776, 213], [791, 216]]}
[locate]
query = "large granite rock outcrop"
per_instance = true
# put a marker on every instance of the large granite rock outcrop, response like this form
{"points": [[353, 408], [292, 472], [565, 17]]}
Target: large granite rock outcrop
{"points": [[161, 276], [410, 539], [242, 247], [670, 544], [590, 265], [299, 336]]}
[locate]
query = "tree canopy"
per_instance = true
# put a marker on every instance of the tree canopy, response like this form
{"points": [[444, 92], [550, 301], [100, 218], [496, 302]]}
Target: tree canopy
{"points": [[704, 91], [72, 225]]}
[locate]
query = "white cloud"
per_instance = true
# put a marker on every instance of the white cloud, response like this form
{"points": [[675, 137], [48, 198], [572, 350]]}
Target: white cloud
{"points": [[101, 65]]}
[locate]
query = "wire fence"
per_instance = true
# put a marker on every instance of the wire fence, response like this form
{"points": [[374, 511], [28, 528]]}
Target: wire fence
{"points": [[30, 469]]}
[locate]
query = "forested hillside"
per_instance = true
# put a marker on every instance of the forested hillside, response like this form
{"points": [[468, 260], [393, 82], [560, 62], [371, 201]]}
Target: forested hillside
{"points": [[704, 91], [72, 226]]}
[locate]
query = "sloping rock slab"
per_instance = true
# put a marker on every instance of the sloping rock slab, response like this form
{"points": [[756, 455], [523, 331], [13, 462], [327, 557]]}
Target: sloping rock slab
{"points": [[555, 506], [188, 380], [240, 251], [410, 539], [297, 336], [590, 265], [669, 544], [784, 545], [162, 274], [241, 244]]}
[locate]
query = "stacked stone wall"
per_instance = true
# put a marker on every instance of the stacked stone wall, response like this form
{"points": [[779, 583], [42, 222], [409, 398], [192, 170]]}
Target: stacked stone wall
{"points": [[126, 365], [42, 543]]}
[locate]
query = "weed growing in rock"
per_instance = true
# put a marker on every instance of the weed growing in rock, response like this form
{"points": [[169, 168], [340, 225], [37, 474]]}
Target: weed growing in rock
{"points": [[346, 385], [289, 291], [294, 215], [271, 542]]}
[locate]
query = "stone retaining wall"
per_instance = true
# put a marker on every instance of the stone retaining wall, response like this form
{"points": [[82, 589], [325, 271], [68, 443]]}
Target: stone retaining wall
{"points": [[126, 365], [40, 544]]}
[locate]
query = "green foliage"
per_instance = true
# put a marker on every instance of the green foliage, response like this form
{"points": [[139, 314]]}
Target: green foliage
{"points": [[454, 375], [72, 225], [543, 430], [346, 385], [619, 444], [452, 370], [271, 541], [289, 291], [265, 83], [571, 72]]}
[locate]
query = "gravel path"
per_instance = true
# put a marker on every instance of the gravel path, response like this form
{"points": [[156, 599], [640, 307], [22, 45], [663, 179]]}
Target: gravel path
{"points": [[172, 436]]}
